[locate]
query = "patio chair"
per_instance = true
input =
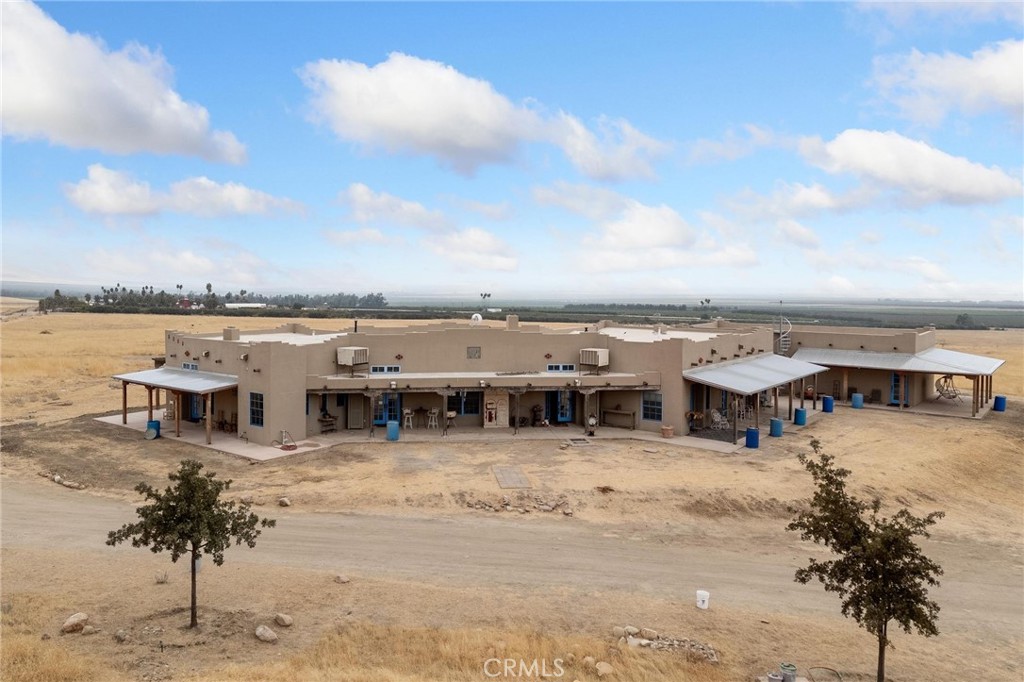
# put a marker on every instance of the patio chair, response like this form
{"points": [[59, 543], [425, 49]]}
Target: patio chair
{"points": [[432, 418], [876, 396], [407, 419], [718, 422]]}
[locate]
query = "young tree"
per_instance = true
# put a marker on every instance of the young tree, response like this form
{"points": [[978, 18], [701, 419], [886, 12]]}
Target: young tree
{"points": [[189, 518], [880, 573]]}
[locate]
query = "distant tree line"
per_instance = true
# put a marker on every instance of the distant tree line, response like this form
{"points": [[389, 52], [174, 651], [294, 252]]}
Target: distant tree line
{"points": [[616, 307]]}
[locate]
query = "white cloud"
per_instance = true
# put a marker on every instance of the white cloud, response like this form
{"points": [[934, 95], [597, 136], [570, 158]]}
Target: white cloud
{"points": [[475, 248], [640, 226], [231, 266], [926, 87], [71, 90], [368, 206], [956, 13], [733, 146], [593, 202], [918, 173], [924, 268], [361, 237], [496, 212], [114, 193], [417, 106], [793, 232], [619, 153], [837, 284], [796, 200]]}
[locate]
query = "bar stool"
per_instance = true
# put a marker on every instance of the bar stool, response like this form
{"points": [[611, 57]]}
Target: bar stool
{"points": [[407, 421], [432, 419]]}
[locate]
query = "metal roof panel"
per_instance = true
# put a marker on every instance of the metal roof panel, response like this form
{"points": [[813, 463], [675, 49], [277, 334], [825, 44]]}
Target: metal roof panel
{"points": [[748, 376]]}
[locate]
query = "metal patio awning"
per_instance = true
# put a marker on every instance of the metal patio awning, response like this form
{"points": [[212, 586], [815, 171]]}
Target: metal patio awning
{"points": [[931, 361], [181, 380], [748, 376]]}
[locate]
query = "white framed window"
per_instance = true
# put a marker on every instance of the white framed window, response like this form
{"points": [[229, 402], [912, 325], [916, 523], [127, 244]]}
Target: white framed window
{"points": [[194, 366], [557, 367], [385, 369], [651, 406]]}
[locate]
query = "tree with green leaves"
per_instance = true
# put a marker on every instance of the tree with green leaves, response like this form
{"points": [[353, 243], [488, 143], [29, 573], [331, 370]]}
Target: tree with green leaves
{"points": [[189, 518], [880, 574]]}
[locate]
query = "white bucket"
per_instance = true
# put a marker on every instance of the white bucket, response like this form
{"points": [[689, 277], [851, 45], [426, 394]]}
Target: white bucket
{"points": [[703, 597]]}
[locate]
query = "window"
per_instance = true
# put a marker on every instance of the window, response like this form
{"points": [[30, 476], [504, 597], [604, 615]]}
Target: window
{"points": [[385, 369], [651, 406], [255, 409], [556, 367], [473, 352], [190, 366], [341, 400], [465, 402]]}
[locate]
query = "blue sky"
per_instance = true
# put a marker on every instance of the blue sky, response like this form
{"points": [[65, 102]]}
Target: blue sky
{"points": [[575, 151]]}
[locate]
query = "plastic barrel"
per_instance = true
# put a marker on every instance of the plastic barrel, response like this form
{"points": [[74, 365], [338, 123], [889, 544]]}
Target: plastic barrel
{"points": [[827, 403], [753, 437], [799, 416], [392, 430], [1000, 403], [155, 425], [776, 428], [857, 401]]}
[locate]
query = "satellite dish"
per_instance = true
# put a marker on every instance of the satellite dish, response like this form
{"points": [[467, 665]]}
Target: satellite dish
{"points": [[476, 319]]}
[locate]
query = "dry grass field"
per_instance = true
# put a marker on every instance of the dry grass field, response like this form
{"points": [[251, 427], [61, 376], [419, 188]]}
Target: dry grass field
{"points": [[56, 368]]}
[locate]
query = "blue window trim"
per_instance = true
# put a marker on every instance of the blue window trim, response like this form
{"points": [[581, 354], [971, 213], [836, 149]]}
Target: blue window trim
{"points": [[651, 406], [256, 407]]}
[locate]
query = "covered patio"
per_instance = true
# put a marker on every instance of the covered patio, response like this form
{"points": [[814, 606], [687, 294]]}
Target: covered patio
{"points": [[760, 378], [933, 362], [178, 383]]}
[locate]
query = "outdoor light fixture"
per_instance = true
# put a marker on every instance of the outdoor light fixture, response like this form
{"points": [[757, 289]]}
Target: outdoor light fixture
{"points": [[482, 383], [714, 352], [244, 357], [394, 384], [206, 353], [645, 383], [576, 381]]}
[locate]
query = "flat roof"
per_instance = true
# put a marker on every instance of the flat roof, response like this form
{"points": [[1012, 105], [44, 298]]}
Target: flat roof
{"points": [[290, 338], [184, 380], [650, 335], [931, 361], [748, 376]]}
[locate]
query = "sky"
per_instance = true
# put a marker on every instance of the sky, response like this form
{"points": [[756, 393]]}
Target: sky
{"points": [[569, 151]]}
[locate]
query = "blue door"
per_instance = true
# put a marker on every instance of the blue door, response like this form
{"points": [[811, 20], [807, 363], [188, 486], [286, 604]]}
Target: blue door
{"points": [[559, 407], [195, 407], [894, 392], [387, 408]]}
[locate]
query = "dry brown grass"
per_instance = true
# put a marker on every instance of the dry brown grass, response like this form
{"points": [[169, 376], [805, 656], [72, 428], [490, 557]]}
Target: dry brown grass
{"points": [[374, 653]]}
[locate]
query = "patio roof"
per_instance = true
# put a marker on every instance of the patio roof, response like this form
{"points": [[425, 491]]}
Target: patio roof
{"points": [[182, 380], [748, 376], [931, 361]]}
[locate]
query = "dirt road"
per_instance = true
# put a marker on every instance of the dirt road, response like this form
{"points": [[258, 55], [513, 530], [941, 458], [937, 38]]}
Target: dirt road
{"points": [[980, 597]]}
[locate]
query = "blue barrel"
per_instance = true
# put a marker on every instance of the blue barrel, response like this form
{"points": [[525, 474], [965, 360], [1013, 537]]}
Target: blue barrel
{"points": [[799, 416], [1000, 404], [392, 430], [753, 437], [857, 401], [827, 403], [154, 425], [775, 430]]}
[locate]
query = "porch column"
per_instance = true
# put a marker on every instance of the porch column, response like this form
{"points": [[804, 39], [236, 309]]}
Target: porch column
{"points": [[149, 403], [586, 411], [975, 395], [735, 419], [791, 401], [515, 428], [757, 411], [177, 414], [209, 418], [775, 396], [988, 383], [124, 402], [157, 403], [803, 393], [846, 385], [903, 389]]}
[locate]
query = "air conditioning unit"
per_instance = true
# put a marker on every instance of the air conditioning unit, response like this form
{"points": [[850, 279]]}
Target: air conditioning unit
{"points": [[349, 356], [595, 357]]}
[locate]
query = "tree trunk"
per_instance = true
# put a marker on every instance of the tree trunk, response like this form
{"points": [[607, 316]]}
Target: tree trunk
{"points": [[883, 641], [195, 619]]}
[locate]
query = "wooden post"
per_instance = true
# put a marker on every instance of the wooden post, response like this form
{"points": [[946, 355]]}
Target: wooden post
{"points": [[846, 385], [177, 414], [803, 394], [124, 402], [904, 381], [157, 403], [790, 401], [974, 396], [735, 420], [775, 396], [586, 412], [209, 418], [814, 403], [515, 430], [757, 411], [149, 403]]}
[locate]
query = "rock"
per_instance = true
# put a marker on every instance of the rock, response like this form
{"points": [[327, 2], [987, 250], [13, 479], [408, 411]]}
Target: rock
{"points": [[121, 636], [74, 623], [630, 630], [89, 630], [284, 620], [588, 661], [265, 634], [57, 478], [45, 636], [648, 633], [567, 512], [604, 669], [618, 631], [622, 641], [342, 579], [284, 502], [634, 641]]}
